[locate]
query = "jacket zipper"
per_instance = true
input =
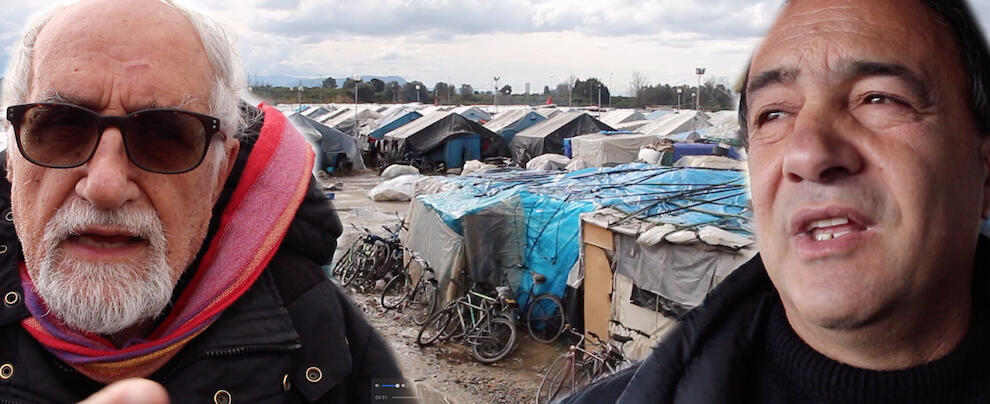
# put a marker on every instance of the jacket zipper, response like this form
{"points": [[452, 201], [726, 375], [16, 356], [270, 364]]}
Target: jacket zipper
{"points": [[219, 353]]}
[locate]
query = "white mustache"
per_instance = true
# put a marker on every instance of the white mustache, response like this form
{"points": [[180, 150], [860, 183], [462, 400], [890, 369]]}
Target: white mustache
{"points": [[77, 216]]}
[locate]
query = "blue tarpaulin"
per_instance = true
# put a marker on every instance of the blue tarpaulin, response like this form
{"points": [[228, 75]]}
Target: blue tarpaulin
{"points": [[551, 205]]}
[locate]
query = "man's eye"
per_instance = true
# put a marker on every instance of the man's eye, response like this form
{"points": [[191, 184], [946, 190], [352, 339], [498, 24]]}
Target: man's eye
{"points": [[770, 116], [877, 99]]}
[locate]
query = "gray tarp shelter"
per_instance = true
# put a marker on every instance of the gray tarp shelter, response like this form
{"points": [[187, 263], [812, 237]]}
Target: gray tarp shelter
{"points": [[426, 134], [548, 136], [327, 143], [513, 121]]}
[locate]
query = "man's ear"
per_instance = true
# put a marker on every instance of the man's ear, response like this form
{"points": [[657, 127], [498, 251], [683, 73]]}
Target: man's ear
{"points": [[231, 146]]}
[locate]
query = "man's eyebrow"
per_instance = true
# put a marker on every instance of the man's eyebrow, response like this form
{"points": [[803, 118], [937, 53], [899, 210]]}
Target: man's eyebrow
{"points": [[782, 75], [916, 85]]}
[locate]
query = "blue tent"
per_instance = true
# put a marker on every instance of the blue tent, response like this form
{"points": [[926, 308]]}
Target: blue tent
{"points": [[395, 121], [513, 121]]}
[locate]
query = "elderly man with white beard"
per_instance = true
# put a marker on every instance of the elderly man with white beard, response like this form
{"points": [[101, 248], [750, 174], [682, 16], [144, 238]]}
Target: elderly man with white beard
{"points": [[158, 228]]}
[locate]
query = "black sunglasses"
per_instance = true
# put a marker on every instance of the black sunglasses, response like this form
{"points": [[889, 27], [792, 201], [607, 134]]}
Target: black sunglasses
{"points": [[160, 140]]}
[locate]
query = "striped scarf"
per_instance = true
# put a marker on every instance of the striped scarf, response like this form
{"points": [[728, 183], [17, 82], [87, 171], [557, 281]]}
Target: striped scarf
{"points": [[252, 226]]}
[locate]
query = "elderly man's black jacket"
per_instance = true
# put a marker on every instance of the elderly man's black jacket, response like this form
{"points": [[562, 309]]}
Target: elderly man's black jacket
{"points": [[292, 337]]}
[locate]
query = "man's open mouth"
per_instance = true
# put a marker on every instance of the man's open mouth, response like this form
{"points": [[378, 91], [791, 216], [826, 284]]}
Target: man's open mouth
{"points": [[106, 241], [831, 228]]}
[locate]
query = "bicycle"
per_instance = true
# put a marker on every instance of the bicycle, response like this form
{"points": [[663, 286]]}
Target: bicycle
{"points": [[421, 297], [544, 314], [579, 366], [481, 320], [370, 258]]}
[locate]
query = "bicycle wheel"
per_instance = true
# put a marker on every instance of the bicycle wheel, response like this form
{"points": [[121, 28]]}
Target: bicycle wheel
{"points": [[545, 318], [494, 341], [436, 325], [553, 379], [423, 302], [345, 260], [395, 291]]}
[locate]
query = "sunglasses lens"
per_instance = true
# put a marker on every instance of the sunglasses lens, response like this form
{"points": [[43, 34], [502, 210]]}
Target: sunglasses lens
{"points": [[58, 135], [166, 141]]}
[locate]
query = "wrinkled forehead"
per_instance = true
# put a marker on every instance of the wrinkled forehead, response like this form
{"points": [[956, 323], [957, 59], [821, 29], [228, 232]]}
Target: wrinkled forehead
{"points": [[824, 35], [144, 49]]}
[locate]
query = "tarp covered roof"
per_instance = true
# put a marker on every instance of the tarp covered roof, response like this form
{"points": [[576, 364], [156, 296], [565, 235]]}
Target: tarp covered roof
{"points": [[511, 117], [615, 117], [327, 141], [675, 123], [430, 131], [548, 136], [473, 113]]}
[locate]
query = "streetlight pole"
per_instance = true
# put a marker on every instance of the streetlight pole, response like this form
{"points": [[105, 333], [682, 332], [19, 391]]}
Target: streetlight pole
{"points": [[679, 91], [610, 90], [357, 80], [417, 94], [700, 71], [599, 95], [495, 94], [299, 96]]}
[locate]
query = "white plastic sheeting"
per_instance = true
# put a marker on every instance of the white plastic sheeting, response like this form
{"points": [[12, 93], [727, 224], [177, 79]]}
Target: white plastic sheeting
{"points": [[719, 162], [396, 170], [548, 162], [432, 240], [600, 149], [401, 188]]}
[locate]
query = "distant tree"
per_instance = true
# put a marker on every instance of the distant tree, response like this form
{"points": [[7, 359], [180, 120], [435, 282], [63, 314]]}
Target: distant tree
{"points": [[546, 90], [506, 89], [409, 92], [467, 93], [378, 85], [442, 92], [349, 84], [330, 83], [392, 91], [365, 92], [637, 84]]}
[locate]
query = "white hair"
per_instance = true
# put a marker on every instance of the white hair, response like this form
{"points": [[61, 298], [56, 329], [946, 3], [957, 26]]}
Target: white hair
{"points": [[228, 76]]}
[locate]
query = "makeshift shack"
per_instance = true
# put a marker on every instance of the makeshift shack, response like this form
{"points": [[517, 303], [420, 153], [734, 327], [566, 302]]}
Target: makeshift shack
{"points": [[513, 121], [643, 274], [548, 136], [681, 121], [498, 225], [394, 120], [333, 148], [619, 116], [599, 149], [444, 136]]}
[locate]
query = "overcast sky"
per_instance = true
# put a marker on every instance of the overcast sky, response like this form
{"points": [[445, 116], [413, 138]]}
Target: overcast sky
{"points": [[470, 41]]}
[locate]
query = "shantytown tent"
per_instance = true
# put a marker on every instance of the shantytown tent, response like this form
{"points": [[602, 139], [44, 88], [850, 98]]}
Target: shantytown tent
{"points": [[548, 136]]}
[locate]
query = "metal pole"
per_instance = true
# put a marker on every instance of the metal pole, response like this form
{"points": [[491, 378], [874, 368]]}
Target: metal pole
{"points": [[599, 95], [610, 90], [357, 79]]}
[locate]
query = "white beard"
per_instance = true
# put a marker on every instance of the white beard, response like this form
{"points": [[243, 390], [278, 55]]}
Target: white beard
{"points": [[103, 298]]}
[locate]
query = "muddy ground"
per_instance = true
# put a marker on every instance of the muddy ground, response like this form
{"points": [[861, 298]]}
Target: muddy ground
{"points": [[443, 373]]}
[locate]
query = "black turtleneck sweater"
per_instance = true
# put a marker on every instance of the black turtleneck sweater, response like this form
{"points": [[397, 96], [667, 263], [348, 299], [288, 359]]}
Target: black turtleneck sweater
{"points": [[787, 370]]}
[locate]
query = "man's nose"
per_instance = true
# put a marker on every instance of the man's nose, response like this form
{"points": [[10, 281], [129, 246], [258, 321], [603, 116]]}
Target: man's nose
{"points": [[107, 183], [817, 151]]}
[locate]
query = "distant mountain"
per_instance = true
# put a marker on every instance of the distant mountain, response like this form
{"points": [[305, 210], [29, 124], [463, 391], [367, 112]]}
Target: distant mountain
{"points": [[290, 81]]}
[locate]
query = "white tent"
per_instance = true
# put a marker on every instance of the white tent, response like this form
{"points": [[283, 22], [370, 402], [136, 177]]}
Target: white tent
{"points": [[615, 117], [599, 149], [682, 121]]}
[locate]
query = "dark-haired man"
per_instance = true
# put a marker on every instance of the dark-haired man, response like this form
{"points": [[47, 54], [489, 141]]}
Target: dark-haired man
{"points": [[869, 153]]}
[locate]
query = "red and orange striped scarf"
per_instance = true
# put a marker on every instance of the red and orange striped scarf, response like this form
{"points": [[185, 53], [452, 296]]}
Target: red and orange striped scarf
{"points": [[252, 227]]}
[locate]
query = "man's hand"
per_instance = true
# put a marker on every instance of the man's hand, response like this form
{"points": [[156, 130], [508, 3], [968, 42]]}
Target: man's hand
{"points": [[130, 391]]}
